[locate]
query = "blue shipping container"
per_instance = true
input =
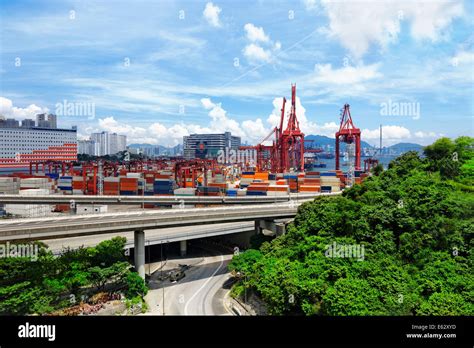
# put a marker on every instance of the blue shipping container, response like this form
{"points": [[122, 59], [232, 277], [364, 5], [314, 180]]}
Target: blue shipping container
{"points": [[327, 174], [128, 193]]}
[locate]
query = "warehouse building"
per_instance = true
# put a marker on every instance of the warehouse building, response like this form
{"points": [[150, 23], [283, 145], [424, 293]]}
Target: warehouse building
{"points": [[20, 145]]}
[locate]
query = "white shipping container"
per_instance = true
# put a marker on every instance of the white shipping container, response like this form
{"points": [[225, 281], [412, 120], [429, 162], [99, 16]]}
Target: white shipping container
{"points": [[188, 191], [242, 192], [111, 179], [83, 209], [134, 175]]}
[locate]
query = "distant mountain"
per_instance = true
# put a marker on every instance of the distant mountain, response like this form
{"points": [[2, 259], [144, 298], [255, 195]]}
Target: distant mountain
{"points": [[318, 141], [163, 150], [141, 146], [405, 147], [323, 140]]}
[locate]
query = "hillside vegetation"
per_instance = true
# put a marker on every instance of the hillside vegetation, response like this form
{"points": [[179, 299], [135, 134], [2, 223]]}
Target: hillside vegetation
{"points": [[48, 283], [412, 225]]}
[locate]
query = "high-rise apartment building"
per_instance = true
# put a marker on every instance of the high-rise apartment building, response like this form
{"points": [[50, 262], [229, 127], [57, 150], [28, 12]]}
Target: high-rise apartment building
{"points": [[108, 144], [46, 121]]}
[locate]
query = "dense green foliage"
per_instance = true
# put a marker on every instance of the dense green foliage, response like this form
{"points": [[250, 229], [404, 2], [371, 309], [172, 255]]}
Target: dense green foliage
{"points": [[118, 157], [48, 283], [135, 285], [415, 223]]}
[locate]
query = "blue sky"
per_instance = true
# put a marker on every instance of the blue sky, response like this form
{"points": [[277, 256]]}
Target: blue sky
{"points": [[158, 70]]}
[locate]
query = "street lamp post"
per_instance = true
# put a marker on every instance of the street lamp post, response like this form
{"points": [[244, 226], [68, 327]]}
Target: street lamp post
{"points": [[162, 281], [149, 251]]}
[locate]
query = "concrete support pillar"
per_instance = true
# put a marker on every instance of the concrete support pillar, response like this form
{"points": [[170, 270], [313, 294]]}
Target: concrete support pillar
{"points": [[258, 229], [270, 225], [139, 242], [183, 248]]}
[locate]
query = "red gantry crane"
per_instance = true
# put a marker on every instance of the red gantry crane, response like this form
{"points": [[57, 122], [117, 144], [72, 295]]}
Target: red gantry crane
{"points": [[292, 140], [287, 149], [348, 134]]}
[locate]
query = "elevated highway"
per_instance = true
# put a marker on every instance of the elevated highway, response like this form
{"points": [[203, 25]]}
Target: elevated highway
{"points": [[31, 229], [153, 237], [77, 225], [163, 200]]}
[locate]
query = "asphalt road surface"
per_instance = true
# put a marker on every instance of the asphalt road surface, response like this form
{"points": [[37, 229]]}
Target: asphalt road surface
{"points": [[200, 292]]}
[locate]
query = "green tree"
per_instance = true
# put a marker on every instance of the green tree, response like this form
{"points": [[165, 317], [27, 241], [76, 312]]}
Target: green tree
{"points": [[135, 285], [442, 303], [440, 149], [99, 276], [415, 221], [352, 297], [377, 170], [243, 262], [44, 285]]}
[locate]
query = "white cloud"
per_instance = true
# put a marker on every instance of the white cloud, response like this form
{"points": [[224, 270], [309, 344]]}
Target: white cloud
{"points": [[307, 127], [430, 18], [260, 48], [346, 75], [421, 134], [155, 134], [9, 111], [463, 57], [256, 130], [206, 102], [255, 34], [395, 134], [250, 130], [211, 14], [358, 25], [111, 125], [257, 54], [219, 120], [390, 135]]}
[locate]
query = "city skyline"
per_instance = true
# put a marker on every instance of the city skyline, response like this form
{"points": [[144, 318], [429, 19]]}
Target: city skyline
{"points": [[409, 67]]}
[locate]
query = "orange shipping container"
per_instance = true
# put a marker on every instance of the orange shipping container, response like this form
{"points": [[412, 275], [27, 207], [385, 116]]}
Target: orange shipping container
{"points": [[310, 188], [128, 180], [78, 185], [280, 188], [216, 184]]}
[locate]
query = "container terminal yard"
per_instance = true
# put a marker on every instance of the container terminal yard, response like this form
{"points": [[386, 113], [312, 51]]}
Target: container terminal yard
{"points": [[194, 208], [70, 203], [277, 167]]}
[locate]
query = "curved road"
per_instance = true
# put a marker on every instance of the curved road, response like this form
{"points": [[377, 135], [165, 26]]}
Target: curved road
{"points": [[200, 292]]}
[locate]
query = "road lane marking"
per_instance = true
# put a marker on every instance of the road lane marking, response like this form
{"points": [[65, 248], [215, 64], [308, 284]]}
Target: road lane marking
{"points": [[203, 285], [217, 283]]}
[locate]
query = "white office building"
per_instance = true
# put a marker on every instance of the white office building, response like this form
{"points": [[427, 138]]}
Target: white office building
{"points": [[19, 146], [208, 145]]}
